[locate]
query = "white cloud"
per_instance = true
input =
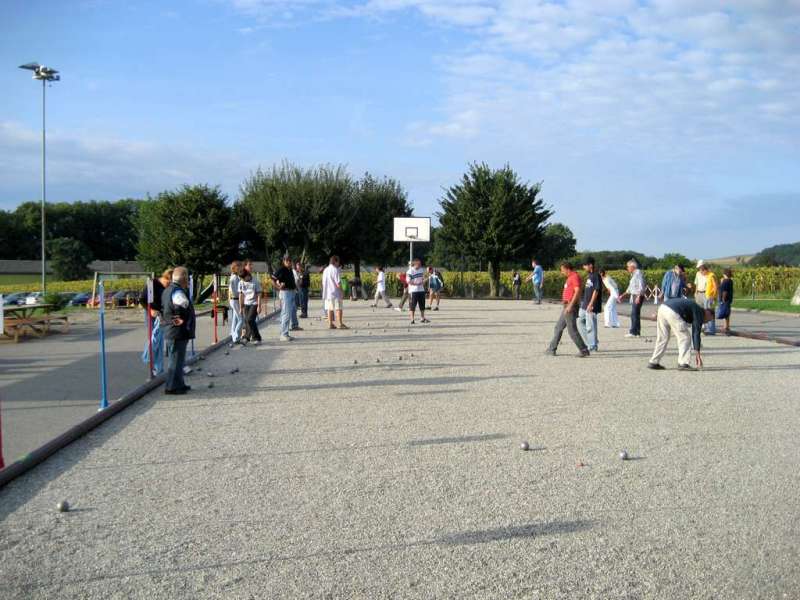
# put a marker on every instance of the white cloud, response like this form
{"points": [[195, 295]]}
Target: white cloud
{"points": [[103, 166]]}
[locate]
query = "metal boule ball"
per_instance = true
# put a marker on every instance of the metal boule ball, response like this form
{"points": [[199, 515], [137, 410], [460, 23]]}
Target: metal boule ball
{"points": [[210, 374], [399, 358], [227, 353], [355, 362], [377, 360], [63, 506], [210, 384], [525, 446], [623, 455]]}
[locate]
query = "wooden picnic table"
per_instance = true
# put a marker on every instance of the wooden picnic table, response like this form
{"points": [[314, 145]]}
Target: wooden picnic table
{"points": [[20, 320]]}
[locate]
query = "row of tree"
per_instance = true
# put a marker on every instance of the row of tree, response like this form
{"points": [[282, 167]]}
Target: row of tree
{"points": [[489, 218]]}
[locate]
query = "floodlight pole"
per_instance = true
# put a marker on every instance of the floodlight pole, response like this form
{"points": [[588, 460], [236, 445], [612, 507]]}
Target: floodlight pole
{"points": [[43, 74], [44, 186]]}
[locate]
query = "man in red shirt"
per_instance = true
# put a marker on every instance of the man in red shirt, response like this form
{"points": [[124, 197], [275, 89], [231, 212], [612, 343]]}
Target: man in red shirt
{"points": [[569, 315]]}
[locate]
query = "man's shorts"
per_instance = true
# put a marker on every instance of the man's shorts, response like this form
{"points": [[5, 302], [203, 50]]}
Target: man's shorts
{"points": [[333, 304], [417, 299]]}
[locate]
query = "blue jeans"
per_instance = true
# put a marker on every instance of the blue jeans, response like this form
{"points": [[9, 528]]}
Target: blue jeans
{"points": [[711, 326], [636, 316], [237, 321], [177, 357], [288, 313], [587, 326], [302, 298], [537, 292]]}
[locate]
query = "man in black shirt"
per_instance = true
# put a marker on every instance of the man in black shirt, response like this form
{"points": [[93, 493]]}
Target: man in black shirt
{"points": [[303, 280], [591, 304], [179, 326], [679, 315], [283, 278]]}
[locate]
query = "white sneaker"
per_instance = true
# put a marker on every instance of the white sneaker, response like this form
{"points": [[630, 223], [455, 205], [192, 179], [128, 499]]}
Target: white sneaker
{"points": [[631, 335], [398, 309], [286, 338]]}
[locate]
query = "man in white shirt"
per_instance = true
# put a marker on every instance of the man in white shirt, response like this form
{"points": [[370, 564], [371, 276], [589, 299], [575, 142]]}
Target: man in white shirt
{"points": [[416, 289], [380, 288], [332, 293], [700, 284], [636, 290]]}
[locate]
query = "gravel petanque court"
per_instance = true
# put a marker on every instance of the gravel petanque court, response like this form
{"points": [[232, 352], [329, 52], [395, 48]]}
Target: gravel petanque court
{"points": [[319, 472]]}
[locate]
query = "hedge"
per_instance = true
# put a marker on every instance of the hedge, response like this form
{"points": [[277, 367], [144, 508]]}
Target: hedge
{"points": [[771, 281]]}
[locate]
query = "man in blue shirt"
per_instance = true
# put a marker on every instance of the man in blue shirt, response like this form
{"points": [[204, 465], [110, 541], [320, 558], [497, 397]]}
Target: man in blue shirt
{"points": [[537, 277], [674, 283], [680, 315]]}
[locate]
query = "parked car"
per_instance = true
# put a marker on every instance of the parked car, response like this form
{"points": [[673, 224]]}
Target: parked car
{"points": [[67, 297], [79, 300], [34, 298], [15, 299], [96, 300], [125, 298]]}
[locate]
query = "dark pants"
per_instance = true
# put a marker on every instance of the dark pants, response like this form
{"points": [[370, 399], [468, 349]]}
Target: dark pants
{"points": [[418, 301], [251, 332], [303, 302], [636, 317], [515, 292], [568, 321], [176, 350]]}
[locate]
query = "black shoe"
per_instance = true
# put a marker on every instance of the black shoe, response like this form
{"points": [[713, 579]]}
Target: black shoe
{"points": [[413, 323], [655, 366], [435, 308], [549, 352], [424, 321], [178, 392], [583, 354], [304, 316], [298, 328], [685, 368]]}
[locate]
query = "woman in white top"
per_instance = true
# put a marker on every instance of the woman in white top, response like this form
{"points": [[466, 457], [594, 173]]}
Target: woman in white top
{"points": [[233, 300], [610, 312], [380, 288]]}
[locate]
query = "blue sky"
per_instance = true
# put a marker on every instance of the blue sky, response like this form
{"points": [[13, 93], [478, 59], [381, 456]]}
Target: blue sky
{"points": [[660, 125]]}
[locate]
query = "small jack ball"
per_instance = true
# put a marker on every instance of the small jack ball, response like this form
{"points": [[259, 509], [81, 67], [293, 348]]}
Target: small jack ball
{"points": [[623, 455], [63, 506], [525, 446]]}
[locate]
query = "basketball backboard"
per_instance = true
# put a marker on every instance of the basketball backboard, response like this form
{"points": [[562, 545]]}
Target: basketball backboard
{"points": [[412, 229]]}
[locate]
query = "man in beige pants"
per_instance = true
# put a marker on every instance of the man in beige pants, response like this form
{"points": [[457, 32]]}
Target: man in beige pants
{"points": [[684, 317]]}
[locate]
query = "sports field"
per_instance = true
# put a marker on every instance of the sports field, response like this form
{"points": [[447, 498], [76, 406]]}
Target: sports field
{"points": [[384, 461]]}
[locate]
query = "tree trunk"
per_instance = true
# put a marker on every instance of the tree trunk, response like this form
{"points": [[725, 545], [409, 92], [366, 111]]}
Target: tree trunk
{"points": [[494, 279], [357, 267]]}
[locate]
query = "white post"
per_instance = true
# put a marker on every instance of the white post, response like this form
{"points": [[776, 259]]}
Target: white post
{"points": [[411, 252], [2, 316]]}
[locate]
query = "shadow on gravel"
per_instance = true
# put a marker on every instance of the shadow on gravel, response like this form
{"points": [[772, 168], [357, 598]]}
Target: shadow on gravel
{"points": [[459, 440], [419, 381], [509, 533], [433, 392], [18, 492]]}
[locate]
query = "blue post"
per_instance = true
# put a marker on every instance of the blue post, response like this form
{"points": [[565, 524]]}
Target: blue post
{"points": [[103, 373], [191, 299]]}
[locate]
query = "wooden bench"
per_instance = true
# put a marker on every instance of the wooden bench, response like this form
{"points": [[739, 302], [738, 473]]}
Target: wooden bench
{"points": [[38, 325]]}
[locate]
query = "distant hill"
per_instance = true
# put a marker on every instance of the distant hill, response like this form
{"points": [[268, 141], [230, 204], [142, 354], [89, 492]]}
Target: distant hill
{"points": [[732, 261], [780, 255]]}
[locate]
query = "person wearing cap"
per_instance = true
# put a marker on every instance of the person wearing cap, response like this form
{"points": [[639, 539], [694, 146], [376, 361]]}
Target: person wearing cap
{"points": [[591, 304], [636, 289], [284, 281], [700, 284], [680, 316]]}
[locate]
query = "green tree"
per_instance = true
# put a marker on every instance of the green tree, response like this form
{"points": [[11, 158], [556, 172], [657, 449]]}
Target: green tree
{"points": [[310, 213], [18, 241], [669, 260], [558, 243], [190, 226], [492, 215], [377, 203], [69, 259]]}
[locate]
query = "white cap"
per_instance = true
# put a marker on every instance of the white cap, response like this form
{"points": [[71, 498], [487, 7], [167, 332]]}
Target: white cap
{"points": [[701, 263]]}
